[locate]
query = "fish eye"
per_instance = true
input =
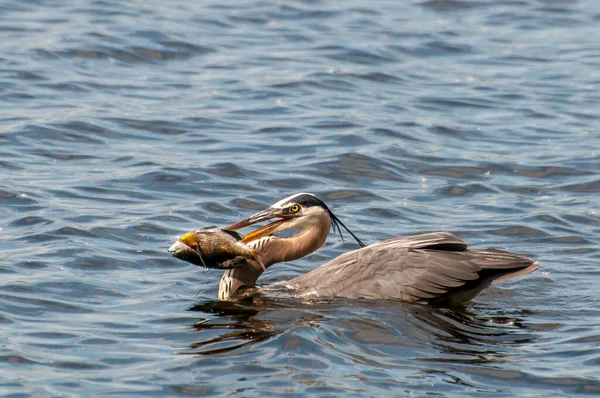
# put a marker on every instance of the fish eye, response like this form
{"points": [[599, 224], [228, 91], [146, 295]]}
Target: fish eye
{"points": [[294, 208]]}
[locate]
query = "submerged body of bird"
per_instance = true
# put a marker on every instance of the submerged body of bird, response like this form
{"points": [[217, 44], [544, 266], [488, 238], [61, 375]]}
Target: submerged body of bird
{"points": [[212, 247]]}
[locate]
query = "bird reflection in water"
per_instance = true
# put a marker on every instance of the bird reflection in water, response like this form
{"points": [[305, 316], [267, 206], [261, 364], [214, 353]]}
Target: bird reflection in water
{"points": [[385, 332], [465, 336], [236, 326], [239, 324]]}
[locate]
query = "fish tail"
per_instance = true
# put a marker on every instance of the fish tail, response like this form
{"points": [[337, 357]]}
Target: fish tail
{"points": [[244, 251], [256, 257]]}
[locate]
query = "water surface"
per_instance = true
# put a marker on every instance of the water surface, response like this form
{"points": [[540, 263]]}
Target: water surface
{"points": [[125, 124]]}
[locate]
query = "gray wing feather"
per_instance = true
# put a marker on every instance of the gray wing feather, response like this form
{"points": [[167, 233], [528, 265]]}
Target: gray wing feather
{"points": [[425, 240], [410, 268]]}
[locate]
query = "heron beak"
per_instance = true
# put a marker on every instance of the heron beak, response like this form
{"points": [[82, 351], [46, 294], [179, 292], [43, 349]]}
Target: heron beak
{"points": [[261, 216]]}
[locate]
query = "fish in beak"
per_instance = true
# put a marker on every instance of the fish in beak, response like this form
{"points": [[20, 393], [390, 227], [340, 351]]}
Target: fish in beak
{"points": [[265, 215], [212, 248]]}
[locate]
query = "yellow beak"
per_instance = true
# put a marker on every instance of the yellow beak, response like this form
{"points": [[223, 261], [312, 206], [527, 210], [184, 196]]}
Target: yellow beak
{"points": [[261, 216]]}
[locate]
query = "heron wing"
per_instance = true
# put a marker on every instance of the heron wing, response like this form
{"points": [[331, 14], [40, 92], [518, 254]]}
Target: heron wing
{"points": [[419, 268]]}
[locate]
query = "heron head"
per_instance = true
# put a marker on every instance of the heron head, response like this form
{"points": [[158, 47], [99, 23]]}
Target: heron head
{"points": [[299, 211]]}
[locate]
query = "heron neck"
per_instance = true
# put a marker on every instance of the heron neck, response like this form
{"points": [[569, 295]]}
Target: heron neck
{"points": [[235, 278], [272, 250]]}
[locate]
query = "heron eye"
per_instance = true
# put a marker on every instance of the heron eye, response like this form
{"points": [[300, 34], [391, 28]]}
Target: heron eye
{"points": [[294, 208]]}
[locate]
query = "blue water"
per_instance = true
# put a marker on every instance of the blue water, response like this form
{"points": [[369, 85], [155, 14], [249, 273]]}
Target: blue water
{"points": [[125, 124]]}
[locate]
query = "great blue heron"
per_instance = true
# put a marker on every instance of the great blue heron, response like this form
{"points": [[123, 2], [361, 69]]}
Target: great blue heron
{"points": [[435, 268]]}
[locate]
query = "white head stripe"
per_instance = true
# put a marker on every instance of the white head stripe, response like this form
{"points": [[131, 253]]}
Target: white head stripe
{"points": [[280, 204]]}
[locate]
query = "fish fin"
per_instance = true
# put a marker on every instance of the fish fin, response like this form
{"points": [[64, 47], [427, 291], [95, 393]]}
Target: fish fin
{"points": [[236, 235], [257, 259]]}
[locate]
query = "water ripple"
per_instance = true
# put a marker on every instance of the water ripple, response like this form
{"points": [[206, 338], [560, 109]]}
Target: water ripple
{"points": [[127, 124]]}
